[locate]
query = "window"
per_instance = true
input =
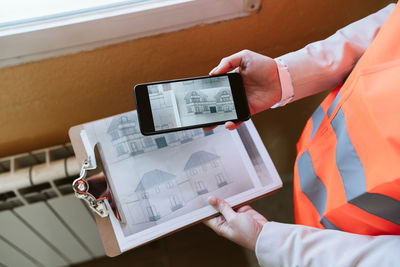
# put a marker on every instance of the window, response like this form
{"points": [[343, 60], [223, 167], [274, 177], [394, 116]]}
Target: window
{"points": [[114, 135], [41, 10], [214, 164], [124, 119], [152, 213], [45, 28], [136, 146], [200, 188], [193, 172], [221, 181], [172, 138], [148, 141], [121, 150], [175, 202], [170, 185], [161, 142], [128, 130], [145, 195]]}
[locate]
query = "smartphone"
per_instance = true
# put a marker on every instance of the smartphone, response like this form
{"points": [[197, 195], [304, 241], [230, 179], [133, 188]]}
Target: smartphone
{"points": [[183, 104]]}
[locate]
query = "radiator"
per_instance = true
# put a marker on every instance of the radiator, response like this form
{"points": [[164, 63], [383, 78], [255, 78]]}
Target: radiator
{"points": [[41, 221]]}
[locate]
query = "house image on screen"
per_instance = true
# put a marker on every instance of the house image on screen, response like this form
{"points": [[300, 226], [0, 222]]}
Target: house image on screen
{"points": [[197, 102], [128, 141], [161, 193], [224, 100]]}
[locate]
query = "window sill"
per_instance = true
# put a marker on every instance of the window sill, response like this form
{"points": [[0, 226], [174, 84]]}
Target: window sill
{"points": [[39, 40]]}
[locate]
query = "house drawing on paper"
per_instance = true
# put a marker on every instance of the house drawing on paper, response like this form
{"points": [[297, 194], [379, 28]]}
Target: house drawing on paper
{"points": [[204, 171], [128, 141], [160, 193], [161, 185], [197, 102]]}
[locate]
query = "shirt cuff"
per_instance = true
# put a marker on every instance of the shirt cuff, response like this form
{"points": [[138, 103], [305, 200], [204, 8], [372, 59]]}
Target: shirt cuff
{"points": [[278, 244], [286, 83], [268, 244]]}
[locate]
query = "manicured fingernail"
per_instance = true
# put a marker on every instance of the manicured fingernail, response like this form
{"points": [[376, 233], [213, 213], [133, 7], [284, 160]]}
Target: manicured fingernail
{"points": [[213, 70], [212, 200], [229, 125]]}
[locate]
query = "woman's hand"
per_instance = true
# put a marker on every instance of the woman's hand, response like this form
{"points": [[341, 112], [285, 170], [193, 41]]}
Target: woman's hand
{"points": [[241, 227], [260, 79]]}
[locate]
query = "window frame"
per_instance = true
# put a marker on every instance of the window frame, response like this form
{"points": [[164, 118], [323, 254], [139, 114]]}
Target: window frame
{"points": [[49, 38]]}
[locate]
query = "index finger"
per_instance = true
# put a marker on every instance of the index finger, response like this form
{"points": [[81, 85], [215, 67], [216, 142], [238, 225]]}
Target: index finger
{"points": [[207, 129], [228, 63]]}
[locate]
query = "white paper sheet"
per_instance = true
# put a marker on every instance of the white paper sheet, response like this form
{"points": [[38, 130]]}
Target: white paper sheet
{"points": [[161, 183]]}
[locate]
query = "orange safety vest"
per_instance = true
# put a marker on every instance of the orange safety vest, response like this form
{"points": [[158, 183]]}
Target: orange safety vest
{"points": [[347, 172]]}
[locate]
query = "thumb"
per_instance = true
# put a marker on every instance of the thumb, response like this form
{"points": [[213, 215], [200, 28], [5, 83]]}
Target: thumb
{"points": [[223, 207]]}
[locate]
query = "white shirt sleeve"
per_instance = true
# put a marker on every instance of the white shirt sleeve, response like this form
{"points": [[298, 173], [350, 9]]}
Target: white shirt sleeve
{"points": [[325, 64], [317, 67], [295, 245]]}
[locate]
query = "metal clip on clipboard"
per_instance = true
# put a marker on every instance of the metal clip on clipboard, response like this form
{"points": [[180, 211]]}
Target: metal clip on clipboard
{"points": [[95, 189], [81, 188]]}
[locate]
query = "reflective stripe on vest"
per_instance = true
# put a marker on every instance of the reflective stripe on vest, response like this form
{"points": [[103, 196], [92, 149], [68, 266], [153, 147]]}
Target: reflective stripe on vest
{"points": [[347, 172], [313, 188]]}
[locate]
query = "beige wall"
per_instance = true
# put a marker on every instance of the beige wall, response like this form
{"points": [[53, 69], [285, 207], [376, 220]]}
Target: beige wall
{"points": [[39, 101]]}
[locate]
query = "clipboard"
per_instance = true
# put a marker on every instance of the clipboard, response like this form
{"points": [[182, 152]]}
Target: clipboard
{"points": [[109, 228], [106, 231]]}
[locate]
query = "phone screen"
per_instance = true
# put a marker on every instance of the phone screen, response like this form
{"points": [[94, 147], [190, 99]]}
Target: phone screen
{"points": [[191, 102]]}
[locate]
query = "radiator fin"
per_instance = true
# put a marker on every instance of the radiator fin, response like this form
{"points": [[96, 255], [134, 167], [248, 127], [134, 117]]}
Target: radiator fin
{"points": [[42, 222], [22, 236], [70, 208]]}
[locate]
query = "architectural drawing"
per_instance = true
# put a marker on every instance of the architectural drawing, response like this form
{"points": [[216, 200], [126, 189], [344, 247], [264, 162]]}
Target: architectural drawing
{"points": [[163, 185], [128, 141], [205, 172], [197, 102], [191, 102], [160, 193], [164, 178]]}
